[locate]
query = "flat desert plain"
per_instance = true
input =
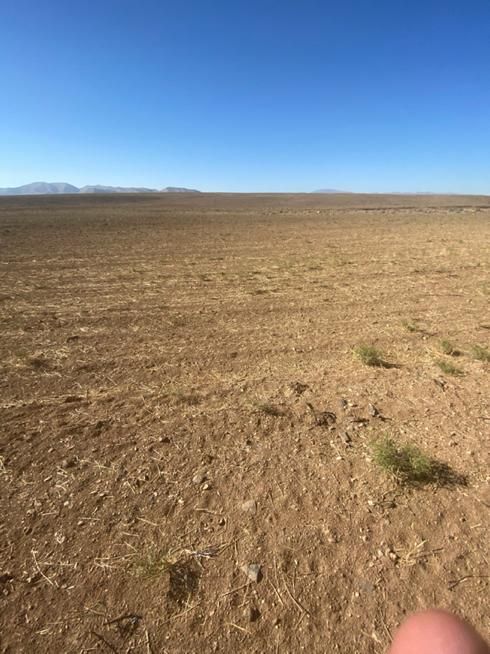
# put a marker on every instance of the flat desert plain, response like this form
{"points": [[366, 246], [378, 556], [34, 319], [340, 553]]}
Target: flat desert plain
{"points": [[196, 455]]}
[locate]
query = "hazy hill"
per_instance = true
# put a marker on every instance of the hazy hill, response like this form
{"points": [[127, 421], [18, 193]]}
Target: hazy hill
{"points": [[40, 188], [179, 189], [97, 188], [45, 188]]}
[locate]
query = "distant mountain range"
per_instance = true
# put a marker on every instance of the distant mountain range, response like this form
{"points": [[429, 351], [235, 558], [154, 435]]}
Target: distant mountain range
{"points": [[46, 188]]}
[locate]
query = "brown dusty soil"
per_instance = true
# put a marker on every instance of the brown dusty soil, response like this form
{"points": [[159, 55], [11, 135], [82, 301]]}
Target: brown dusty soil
{"points": [[157, 356]]}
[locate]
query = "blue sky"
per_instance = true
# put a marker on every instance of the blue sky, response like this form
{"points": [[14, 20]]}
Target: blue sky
{"points": [[247, 96]]}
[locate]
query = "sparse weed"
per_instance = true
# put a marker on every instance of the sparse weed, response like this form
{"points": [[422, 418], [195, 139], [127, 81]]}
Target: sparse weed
{"points": [[410, 326], [154, 563], [369, 355], [182, 572], [481, 353], [448, 367], [407, 462], [448, 348]]}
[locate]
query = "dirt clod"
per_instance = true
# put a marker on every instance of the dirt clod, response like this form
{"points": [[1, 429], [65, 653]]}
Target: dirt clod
{"points": [[253, 571]]}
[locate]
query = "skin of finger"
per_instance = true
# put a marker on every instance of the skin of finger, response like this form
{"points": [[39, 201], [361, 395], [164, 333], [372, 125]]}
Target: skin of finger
{"points": [[437, 632]]}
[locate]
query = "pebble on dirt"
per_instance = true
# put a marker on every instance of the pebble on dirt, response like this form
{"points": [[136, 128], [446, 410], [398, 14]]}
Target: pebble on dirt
{"points": [[253, 571], [250, 506], [200, 477]]}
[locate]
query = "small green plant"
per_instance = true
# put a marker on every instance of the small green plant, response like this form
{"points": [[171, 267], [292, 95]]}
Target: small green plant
{"points": [[410, 326], [154, 563], [481, 353], [406, 462], [369, 355], [448, 348], [182, 572], [448, 367]]}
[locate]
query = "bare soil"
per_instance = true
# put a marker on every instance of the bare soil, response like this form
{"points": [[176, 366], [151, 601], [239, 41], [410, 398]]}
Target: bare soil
{"points": [[158, 354]]}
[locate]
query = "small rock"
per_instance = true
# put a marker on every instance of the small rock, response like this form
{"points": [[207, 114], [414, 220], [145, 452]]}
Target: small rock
{"points": [[346, 439], [250, 506], [200, 477], [253, 571], [164, 439], [206, 486], [344, 405], [373, 411], [68, 463]]}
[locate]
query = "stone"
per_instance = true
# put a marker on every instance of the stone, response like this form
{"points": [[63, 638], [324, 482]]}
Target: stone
{"points": [[200, 477], [346, 438], [250, 506], [253, 571]]}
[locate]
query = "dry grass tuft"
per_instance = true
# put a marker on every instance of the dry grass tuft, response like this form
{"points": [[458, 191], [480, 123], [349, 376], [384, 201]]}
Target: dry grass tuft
{"points": [[181, 571], [410, 326], [406, 462], [448, 348], [369, 355], [153, 563], [410, 465], [448, 367], [481, 353]]}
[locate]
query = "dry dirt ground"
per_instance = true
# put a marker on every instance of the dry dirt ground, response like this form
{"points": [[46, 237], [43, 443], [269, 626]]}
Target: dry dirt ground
{"points": [[157, 357]]}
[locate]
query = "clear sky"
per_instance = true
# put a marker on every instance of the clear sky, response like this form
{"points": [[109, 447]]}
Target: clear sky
{"points": [[256, 95]]}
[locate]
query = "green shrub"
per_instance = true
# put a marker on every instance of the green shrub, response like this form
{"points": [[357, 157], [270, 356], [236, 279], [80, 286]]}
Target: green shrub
{"points": [[448, 348], [481, 353], [407, 462], [369, 355], [448, 367]]}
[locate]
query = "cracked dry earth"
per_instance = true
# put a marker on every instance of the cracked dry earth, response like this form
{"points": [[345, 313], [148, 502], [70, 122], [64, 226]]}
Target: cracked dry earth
{"points": [[165, 485]]}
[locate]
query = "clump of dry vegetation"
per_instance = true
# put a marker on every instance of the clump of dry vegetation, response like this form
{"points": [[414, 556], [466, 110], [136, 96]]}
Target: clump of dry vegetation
{"points": [[448, 367], [153, 563], [448, 348], [406, 462], [180, 570], [410, 326], [369, 355], [481, 353]]}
